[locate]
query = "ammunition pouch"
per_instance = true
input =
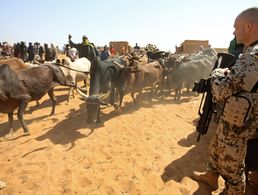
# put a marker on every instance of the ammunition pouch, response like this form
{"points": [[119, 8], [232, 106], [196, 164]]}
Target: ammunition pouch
{"points": [[236, 110]]}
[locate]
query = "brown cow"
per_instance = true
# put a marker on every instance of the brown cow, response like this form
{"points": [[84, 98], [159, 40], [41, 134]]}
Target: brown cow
{"points": [[18, 88], [135, 77], [14, 63]]}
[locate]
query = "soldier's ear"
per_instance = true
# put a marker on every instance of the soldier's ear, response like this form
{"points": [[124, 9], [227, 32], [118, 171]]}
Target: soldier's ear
{"points": [[249, 26]]}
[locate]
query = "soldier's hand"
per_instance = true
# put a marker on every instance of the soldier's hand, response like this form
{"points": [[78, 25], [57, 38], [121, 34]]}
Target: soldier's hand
{"points": [[69, 36], [219, 72], [226, 71]]}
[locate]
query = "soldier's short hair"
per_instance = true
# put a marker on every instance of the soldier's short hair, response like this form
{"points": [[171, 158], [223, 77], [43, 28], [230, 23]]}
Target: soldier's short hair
{"points": [[250, 14]]}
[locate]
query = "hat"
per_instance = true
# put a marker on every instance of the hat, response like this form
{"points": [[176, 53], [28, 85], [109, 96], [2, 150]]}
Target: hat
{"points": [[84, 37]]}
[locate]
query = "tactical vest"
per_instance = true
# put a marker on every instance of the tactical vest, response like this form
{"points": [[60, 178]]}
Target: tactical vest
{"points": [[238, 107]]}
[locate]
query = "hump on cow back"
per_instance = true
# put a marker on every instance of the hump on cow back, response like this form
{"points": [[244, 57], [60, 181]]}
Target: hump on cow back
{"points": [[14, 63]]}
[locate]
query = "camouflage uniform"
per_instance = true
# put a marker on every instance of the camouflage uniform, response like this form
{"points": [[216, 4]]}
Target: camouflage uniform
{"points": [[228, 147]]}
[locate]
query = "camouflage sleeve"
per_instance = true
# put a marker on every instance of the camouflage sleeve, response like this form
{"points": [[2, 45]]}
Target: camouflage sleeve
{"points": [[241, 77], [222, 86], [251, 78]]}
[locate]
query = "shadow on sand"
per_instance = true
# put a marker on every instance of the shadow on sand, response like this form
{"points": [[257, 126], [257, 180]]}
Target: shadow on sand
{"points": [[195, 159], [29, 110], [66, 131]]}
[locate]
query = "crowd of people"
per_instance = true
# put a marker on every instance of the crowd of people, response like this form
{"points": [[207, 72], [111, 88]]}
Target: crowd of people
{"points": [[31, 52]]}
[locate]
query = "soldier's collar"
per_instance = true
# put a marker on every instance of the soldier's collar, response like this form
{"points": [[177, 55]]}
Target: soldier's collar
{"points": [[254, 43]]}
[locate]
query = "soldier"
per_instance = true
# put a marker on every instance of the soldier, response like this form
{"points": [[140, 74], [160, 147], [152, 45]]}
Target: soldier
{"points": [[238, 89]]}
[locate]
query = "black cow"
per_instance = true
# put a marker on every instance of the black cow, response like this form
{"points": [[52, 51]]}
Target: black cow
{"points": [[18, 88], [155, 55], [107, 79]]}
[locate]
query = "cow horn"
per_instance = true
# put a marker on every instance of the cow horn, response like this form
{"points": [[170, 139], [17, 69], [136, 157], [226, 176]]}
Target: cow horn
{"points": [[83, 95], [104, 95], [118, 64]]}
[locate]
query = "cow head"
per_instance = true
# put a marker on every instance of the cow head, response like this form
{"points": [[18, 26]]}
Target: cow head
{"points": [[125, 76], [93, 104]]}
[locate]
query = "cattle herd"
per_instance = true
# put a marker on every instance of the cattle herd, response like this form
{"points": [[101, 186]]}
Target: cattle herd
{"points": [[109, 81]]}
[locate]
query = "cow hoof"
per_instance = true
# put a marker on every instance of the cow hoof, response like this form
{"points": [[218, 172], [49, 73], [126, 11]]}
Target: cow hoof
{"points": [[118, 110], [116, 106], [9, 135], [26, 133], [99, 122]]}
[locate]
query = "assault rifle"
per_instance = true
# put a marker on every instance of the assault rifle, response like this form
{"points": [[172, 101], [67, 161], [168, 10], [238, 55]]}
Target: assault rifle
{"points": [[207, 107]]}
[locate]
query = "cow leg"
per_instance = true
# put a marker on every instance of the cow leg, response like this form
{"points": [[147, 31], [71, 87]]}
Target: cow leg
{"points": [[187, 86], [168, 83], [20, 114], [179, 91], [134, 100], [10, 123], [112, 93], [161, 87], [153, 91], [98, 114], [162, 83], [169, 89], [140, 96], [116, 99], [86, 81], [176, 91], [53, 99], [71, 91], [73, 94], [69, 94], [121, 99]]}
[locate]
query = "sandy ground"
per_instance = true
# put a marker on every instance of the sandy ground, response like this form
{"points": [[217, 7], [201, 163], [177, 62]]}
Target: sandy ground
{"points": [[149, 149]]}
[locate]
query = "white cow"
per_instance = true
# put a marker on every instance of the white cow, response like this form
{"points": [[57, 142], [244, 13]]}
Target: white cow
{"points": [[75, 71]]}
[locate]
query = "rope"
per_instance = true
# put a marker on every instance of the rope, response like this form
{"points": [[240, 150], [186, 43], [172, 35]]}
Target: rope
{"points": [[72, 68], [116, 63]]}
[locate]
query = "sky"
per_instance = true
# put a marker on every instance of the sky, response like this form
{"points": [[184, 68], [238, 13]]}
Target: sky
{"points": [[165, 23]]}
